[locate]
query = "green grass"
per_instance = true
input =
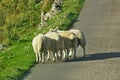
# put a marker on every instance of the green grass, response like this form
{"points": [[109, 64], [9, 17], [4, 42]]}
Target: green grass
{"points": [[69, 14], [19, 57], [16, 60]]}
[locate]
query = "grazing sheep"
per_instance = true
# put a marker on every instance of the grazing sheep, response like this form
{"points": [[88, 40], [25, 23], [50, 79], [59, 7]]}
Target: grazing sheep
{"points": [[57, 43], [40, 47], [81, 38]]}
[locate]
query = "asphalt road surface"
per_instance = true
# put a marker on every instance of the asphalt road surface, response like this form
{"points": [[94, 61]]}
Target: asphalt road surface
{"points": [[100, 21]]}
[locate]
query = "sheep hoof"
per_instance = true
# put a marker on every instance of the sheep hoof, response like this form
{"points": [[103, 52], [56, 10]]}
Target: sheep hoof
{"points": [[59, 58], [63, 59], [39, 62], [53, 59], [48, 58], [66, 59], [84, 56], [74, 57], [70, 55], [43, 62], [36, 62]]}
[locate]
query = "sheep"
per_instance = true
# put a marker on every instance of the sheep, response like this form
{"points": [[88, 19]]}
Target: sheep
{"points": [[70, 41], [81, 38], [57, 44], [40, 47]]}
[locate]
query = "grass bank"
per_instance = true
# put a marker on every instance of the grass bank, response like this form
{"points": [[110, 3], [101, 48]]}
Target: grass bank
{"points": [[18, 58]]}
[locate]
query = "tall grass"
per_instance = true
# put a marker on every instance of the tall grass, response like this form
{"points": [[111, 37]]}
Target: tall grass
{"points": [[16, 16], [47, 4]]}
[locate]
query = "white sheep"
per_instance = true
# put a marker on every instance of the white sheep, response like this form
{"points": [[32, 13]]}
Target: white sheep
{"points": [[81, 38], [40, 47], [57, 44], [70, 41]]}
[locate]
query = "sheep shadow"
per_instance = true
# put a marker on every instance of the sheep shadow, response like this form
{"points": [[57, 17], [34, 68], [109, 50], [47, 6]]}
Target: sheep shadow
{"points": [[97, 56]]}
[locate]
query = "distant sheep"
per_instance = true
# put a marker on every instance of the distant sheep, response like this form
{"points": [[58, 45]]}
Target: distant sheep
{"points": [[81, 38], [56, 40], [57, 43], [40, 47], [70, 41]]}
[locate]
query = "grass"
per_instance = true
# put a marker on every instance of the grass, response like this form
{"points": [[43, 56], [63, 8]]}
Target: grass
{"points": [[19, 57], [16, 60]]}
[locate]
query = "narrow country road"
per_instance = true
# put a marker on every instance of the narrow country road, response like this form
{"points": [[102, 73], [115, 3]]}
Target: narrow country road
{"points": [[100, 21]]}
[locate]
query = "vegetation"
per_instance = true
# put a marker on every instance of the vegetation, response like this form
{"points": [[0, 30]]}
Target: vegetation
{"points": [[15, 61], [18, 17], [47, 5], [18, 25]]}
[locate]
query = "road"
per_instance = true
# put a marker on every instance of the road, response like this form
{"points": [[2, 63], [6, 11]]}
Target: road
{"points": [[100, 21]]}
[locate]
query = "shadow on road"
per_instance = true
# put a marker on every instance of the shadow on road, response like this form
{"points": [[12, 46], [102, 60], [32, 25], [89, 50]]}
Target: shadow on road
{"points": [[97, 56]]}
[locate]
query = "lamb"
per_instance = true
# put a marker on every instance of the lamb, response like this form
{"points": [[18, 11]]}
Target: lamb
{"points": [[57, 44], [81, 38], [40, 47]]}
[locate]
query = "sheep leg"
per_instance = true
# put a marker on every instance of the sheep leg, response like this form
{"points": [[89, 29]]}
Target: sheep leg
{"points": [[70, 53], [67, 54], [36, 54], [60, 56], [56, 56], [39, 57], [84, 51], [64, 54], [43, 57], [53, 56], [74, 54], [48, 57]]}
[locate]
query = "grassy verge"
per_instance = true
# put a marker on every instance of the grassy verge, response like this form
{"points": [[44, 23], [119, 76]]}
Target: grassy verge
{"points": [[17, 59]]}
